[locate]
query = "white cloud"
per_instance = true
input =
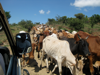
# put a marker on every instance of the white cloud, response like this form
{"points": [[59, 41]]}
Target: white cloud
{"points": [[84, 3], [85, 10], [41, 12], [48, 12]]}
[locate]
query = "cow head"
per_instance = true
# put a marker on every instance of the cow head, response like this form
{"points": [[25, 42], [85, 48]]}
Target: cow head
{"points": [[82, 45], [46, 33], [35, 38]]}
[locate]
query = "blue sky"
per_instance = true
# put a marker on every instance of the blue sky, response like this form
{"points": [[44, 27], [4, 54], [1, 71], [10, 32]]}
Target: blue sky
{"points": [[41, 10]]}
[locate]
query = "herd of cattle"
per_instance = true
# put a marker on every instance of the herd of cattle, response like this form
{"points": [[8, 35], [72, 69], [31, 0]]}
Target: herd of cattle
{"points": [[72, 50]]}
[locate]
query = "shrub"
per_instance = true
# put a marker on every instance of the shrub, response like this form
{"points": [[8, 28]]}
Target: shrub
{"points": [[76, 24]]}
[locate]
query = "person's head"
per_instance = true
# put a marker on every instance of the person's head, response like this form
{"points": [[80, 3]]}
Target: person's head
{"points": [[23, 37]]}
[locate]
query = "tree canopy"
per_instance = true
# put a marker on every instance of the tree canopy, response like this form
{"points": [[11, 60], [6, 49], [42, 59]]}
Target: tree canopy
{"points": [[7, 15], [79, 15]]}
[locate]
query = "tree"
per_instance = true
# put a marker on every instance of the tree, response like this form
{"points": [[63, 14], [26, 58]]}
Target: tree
{"points": [[26, 24], [64, 19], [58, 18], [37, 23], [79, 15], [76, 24], [94, 19], [22, 22], [8, 15], [14, 24], [86, 19], [51, 21]]}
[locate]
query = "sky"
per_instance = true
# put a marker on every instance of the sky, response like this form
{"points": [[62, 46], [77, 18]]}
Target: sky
{"points": [[42, 10]]}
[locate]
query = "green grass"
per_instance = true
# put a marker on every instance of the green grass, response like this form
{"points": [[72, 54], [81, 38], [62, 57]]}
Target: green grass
{"points": [[14, 30]]}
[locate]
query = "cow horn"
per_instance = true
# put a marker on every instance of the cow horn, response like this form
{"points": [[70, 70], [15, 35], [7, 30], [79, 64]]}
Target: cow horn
{"points": [[79, 36]]}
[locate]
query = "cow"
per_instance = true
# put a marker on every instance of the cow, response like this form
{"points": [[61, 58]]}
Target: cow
{"points": [[97, 66], [31, 54], [41, 37], [94, 47], [78, 50], [33, 30], [74, 32], [60, 51], [55, 31], [60, 35], [69, 35]]}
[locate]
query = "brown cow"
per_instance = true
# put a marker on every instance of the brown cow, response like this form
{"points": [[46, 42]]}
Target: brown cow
{"points": [[55, 31], [41, 37], [31, 54], [69, 35], [60, 35], [64, 33], [94, 47], [33, 30]]}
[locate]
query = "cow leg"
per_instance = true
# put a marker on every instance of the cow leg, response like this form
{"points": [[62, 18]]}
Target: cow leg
{"points": [[47, 64], [38, 50], [23, 57], [54, 69], [60, 66], [41, 59], [51, 61], [31, 56], [91, 64]]}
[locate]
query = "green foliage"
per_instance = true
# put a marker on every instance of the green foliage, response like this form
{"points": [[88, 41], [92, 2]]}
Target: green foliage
{"points": [[26, 24], [51, 21], [79, 15], [76, 24], [94, 19], [14, 24], [8, 15], [62, 19], [58, 18], [60, 27], [37, 23]]}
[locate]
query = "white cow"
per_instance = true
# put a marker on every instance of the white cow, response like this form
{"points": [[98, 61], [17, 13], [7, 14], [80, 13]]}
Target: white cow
{"points": [[54, 35], [60, 51], [67, 31], [74, 32]]}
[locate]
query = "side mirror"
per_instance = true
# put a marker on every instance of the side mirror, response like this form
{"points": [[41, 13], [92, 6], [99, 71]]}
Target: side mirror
{"points": [[23, 43]]}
